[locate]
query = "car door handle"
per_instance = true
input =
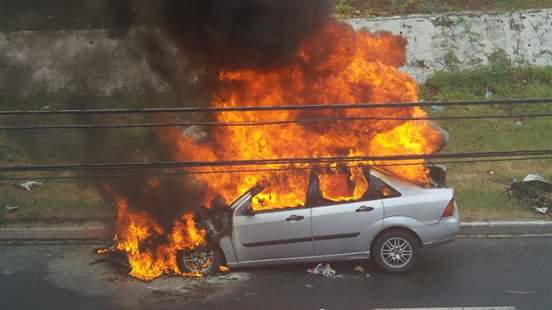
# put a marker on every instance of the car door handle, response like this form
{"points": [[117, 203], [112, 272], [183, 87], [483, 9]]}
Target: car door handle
{"points": [[295, 218], [365, 209]]}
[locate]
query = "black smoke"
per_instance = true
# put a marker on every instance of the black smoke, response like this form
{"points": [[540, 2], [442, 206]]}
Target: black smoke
{"points": [[242, 33], [208, 35]]}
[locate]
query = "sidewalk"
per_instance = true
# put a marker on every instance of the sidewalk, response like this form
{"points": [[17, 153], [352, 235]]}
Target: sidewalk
{"points": [[96, 231]]}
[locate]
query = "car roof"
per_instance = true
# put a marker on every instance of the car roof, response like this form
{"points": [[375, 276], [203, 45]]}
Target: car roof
{"points": [[404, 187]]}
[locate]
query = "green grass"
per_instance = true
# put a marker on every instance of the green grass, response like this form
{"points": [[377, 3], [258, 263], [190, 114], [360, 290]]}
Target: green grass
{"points": [[367, 8], [481, 187], [53, 202]]}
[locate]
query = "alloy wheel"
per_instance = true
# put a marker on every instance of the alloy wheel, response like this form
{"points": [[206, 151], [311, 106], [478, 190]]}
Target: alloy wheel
{"points": [[396, 252]]}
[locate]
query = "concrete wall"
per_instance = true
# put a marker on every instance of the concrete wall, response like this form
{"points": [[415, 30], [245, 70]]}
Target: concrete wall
{"points": [[438, 42], [91, 61]]}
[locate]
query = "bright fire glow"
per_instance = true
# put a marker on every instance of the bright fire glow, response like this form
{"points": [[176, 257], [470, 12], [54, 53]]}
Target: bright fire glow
{"points": [[336, 66]]}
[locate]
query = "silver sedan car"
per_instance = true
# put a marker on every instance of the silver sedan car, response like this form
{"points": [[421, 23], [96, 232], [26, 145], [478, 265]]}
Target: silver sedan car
{"points": [[390, 224]]}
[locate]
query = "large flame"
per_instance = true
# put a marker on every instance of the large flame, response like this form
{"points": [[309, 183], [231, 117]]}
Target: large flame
{"points": [[336, 66]]}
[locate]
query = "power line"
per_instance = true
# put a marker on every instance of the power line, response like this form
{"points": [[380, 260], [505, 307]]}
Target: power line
{"points": [[280, 108], [267, 162], [266, 123], [188, 173]]}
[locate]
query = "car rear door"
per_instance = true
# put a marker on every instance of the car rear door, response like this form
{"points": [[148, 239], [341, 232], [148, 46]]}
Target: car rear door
{"points": [[346, 227], [280, 234]]}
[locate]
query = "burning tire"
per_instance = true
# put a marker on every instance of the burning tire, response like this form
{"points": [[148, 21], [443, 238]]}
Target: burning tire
{"points": [[203, 260], [395, 251]]}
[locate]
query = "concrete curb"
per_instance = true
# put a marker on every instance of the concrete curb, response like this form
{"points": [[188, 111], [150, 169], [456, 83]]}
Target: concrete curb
{"points": [[90, 231], [103, 232], [507, 228]]}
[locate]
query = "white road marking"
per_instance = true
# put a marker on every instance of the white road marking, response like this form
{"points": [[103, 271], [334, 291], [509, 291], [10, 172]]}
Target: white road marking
{"points": [[451, 308]]}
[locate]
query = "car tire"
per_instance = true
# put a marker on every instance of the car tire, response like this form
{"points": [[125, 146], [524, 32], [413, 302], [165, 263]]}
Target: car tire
{"points": [[395, 251], [203, 260]]}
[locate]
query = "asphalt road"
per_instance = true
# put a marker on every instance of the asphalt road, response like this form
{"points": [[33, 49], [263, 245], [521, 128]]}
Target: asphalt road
{"points": [[513, 272]]}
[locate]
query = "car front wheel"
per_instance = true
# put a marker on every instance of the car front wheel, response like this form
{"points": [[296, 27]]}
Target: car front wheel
{"points": [[202, 260], [396, 251]]}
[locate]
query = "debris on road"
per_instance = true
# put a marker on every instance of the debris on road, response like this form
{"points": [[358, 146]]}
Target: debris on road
{"points": [[533, 192], [11, 208], [324, 270], [309, 286], [29, 185], [359, 269]]}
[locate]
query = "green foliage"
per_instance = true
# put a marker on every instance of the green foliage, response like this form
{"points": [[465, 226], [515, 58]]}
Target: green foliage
{"points": [[499, 79], [452, 63], [481, 194], [344, 9]]}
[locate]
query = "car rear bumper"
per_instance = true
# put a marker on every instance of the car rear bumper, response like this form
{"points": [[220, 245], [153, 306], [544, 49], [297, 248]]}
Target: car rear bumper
{"points": [[441, 233]]}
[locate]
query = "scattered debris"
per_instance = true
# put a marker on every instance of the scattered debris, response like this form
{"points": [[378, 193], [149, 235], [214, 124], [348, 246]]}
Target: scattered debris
{"points": [[368, 275], [359, 269], [519, 123], [437, 109], [309, 286], [10, 208], [28, 186], [533, 192], [324, 270], [534, 177]]}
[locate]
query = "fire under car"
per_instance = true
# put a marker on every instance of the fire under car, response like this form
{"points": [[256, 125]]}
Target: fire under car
{"points": [[390, 223]]}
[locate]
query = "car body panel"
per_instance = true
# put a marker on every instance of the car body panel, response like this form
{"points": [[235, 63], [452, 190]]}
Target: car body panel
{"points": [[271, 235], [337, 232], [341, 229]]}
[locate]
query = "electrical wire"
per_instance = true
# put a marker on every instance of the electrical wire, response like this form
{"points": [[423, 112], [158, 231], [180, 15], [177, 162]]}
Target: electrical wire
{"points": [[266, 123], [283, 169], [281, 108], [266, 162]]}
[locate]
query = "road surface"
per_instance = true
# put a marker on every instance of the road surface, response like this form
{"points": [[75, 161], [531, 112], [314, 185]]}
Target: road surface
{"points": [[472, 272]]}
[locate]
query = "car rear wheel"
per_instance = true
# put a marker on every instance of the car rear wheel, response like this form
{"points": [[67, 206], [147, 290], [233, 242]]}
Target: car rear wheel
{"points": [[395, 251], [202, 260]]}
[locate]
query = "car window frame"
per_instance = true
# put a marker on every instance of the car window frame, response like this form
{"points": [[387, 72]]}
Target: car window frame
{"points": [[315, 190], [284, 209], [315, 183]]}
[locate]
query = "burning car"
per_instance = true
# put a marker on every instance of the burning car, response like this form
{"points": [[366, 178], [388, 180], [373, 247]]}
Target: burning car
{"points": [[389, 220], [335, 213]]}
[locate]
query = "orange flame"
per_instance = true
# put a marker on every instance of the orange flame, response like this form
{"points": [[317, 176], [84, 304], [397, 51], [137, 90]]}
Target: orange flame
{"points": [[336, 66], [137, 234]]}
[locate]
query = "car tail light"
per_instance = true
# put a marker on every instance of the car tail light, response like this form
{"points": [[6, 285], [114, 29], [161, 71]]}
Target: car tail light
{"points": [[449, 211]]}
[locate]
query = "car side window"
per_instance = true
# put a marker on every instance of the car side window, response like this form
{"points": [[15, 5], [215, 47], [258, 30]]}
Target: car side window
{"points": [[381, 190], [337, 185], [284, 192]]}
